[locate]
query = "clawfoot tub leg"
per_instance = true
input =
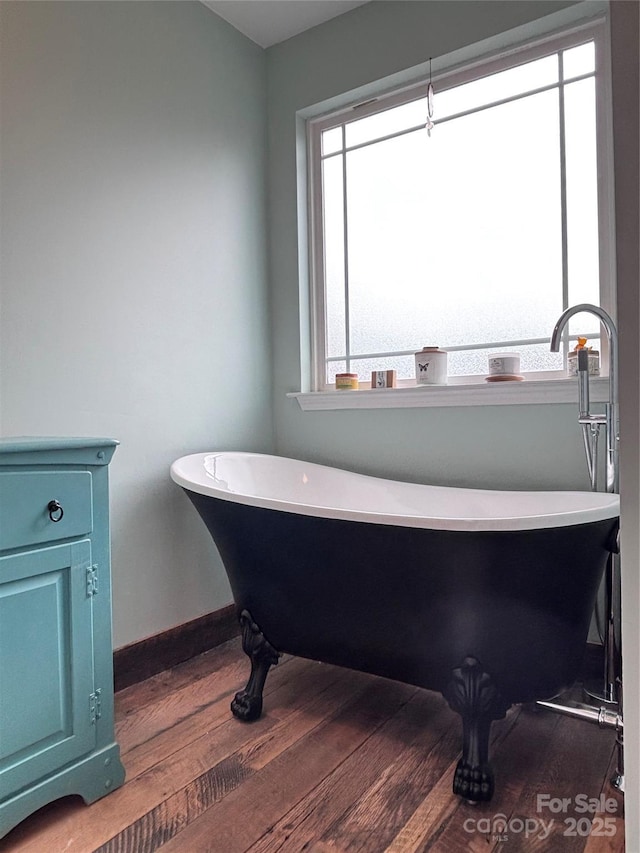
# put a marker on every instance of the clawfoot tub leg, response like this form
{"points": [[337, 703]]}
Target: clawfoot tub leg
{"points": [[473, 695], [247, 704]]}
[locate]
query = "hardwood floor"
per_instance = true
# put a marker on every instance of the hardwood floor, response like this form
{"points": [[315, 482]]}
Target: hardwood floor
{"points": [[339, 761]]}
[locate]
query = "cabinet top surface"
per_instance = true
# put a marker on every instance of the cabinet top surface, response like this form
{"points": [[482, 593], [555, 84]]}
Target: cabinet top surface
{"points": [[31, 444]]}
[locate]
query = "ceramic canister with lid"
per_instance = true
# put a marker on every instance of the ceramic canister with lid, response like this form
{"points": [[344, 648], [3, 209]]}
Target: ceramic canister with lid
{"points": [[593, 362], [504, 364], [431, 366]]}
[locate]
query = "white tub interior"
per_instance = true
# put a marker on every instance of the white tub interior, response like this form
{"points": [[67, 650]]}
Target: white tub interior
{"points": [[307, 488]]}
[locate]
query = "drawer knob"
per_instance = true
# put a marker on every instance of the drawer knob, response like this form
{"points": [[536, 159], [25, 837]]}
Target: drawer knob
{"points": [[55, 511]]}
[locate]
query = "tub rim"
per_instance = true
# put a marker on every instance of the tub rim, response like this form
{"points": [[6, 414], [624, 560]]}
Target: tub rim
{"points": [[189, 472]]}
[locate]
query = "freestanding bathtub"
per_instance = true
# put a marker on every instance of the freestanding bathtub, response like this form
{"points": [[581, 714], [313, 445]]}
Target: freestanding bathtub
{"points": [[485, 596]]}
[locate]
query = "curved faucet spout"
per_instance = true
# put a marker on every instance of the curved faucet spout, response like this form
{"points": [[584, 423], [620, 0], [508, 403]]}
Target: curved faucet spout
{"points": [[612, 405], [602, 315]]}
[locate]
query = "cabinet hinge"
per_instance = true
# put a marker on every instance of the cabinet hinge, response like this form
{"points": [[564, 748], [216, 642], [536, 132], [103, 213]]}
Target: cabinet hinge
{"points": [[92, 580], [95, 701]]}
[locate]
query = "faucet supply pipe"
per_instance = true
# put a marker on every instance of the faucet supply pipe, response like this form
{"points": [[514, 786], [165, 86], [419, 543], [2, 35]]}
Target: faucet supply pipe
{"points": [[590, 434], [583, 382], [602, 716], [590, 423]]}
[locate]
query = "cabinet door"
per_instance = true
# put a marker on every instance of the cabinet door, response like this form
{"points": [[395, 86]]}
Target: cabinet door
{"points": [[47, 703]]}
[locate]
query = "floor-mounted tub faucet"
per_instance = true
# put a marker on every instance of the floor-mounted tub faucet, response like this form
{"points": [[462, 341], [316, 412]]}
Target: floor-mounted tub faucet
{"points": [[612, 690], [591, 422]]}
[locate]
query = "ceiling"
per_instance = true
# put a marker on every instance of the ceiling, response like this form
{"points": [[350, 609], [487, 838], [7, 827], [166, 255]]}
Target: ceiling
{"points": [[267, 22]]}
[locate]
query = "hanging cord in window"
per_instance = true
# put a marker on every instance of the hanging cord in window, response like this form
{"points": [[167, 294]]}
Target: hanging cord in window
{"points": [[429, 125]]}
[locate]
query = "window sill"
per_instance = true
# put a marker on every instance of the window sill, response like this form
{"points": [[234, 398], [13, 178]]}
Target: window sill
{"points": [[477, 394]]}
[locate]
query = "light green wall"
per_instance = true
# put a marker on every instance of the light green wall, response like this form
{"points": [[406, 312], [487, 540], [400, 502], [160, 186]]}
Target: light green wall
{"points": [[134, 297], [519, 446]]}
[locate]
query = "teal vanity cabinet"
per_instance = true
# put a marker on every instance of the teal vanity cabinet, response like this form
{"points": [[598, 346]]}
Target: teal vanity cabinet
{"points": [[56, 658]]}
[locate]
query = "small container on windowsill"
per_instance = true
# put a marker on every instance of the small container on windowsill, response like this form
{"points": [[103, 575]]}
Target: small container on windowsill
{"points": [[383, 379], [504, 367], [347, 382], [594, 362], [431, 366]]}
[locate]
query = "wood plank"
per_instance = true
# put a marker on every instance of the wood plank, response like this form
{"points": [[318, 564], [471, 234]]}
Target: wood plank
{"points": [[609, 843], [144, 723], [169, 817], [188, 801], [568, 769], [214, 692], [164, 683], [514, 755], [281, 691], [426, 775], [233, 824], [178, 810], [607, 788], [342, 804], [433, 814], [609, 838], [376, 817]]}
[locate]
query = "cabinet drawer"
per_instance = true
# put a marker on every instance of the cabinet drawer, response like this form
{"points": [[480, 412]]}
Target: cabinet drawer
{"points": [[24, 506]]}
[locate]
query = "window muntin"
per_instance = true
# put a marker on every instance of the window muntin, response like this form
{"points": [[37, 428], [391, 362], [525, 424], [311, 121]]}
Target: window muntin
{"points": [[474, 239]]}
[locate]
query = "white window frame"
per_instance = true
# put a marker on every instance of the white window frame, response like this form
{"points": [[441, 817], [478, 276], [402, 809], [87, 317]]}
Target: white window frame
{"points": [[540, 387]]}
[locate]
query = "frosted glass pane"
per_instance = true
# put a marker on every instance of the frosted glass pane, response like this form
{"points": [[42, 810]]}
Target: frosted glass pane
{"points": [[533, 358], [458, 239], [393, 120], [579, 60], [332, 178], [331, 141], [334, 367], [504, 84], [582, 195], [404, 365]]}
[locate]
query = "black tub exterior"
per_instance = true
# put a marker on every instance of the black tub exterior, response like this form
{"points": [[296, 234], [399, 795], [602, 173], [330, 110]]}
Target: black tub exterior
{"points": [[488, 618]]}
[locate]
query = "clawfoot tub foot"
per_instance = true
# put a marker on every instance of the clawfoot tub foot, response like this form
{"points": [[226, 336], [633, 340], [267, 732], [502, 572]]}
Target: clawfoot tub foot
{"points": [[472, 694], [247, 703]]}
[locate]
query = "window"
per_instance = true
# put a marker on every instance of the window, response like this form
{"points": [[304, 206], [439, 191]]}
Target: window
{"points": [[474, 238]]}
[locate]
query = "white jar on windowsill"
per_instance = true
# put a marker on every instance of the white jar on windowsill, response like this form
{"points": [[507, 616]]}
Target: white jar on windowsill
{"points": [[431, 366]]}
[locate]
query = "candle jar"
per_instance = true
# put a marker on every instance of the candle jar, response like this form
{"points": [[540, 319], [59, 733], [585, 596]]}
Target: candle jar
{"points": [[431, 366], [346, 381]]}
